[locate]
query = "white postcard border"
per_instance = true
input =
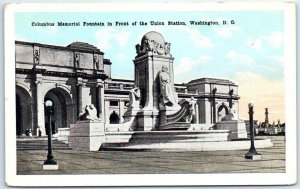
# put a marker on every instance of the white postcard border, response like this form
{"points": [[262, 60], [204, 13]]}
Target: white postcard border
{"points": [[289, 177]]}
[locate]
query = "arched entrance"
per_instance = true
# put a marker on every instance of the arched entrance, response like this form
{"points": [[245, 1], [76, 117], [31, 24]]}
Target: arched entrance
{"points": [[222, 112], [23, 111], [63, 111], [114, 118]]}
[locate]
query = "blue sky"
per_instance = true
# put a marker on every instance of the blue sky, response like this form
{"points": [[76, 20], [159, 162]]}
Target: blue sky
{"points": [[249, 52]]}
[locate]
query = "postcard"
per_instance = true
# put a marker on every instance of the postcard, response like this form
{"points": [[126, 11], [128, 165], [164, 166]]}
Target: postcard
{"points": [[150, 94]]}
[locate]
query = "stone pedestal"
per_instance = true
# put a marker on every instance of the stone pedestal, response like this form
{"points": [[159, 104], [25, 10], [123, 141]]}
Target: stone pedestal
{"points": [[147, 120], [86, 135], [130, 118], [63, 135], [237, 128]]}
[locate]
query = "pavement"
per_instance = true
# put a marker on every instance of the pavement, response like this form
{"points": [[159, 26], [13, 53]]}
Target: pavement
{"points": [[30, 162]]}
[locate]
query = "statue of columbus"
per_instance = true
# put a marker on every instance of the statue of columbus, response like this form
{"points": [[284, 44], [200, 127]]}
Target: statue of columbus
{"points": [[168, 95]]}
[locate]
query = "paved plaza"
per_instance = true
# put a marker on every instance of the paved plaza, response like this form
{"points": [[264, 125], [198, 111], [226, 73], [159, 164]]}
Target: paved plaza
{"points": [[29, 162]]}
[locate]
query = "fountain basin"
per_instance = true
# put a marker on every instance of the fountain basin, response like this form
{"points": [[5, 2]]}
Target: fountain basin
{"points": [[209, 140]]}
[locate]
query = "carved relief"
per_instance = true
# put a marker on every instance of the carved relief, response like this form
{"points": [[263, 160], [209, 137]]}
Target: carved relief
{"points": [[96, 62], [134, 96], [153, 42]]}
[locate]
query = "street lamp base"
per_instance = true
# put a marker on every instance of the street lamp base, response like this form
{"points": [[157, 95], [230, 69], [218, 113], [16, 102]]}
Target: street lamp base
{"points": [[50, 164], [50, 167], [252, 156]]}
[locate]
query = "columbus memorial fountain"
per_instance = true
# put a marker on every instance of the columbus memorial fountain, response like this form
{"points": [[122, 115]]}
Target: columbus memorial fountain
{"points": [[156, 119]]}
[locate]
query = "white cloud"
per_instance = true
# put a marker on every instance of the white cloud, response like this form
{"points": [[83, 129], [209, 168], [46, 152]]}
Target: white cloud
{"points": [[240, 58], [277, 59], [106, 36], [186, 64], [227, 31], [275, 40], [265, 93], [197, 38]]}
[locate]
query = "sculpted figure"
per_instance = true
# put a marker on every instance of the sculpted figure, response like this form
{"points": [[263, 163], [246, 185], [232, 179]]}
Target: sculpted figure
{"points": [[158, 48], [143, 48], [134, 97], [168, 95], [77, 60], [36, 57], [96, 61], [191, 111], [90, 113], [167, 48]]}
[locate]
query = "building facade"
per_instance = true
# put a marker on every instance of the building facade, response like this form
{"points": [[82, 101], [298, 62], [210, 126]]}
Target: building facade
{"points": [[79, 74]]}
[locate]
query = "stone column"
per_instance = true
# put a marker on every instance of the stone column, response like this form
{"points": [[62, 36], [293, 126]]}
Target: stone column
{"points": [[230, 99], [196, 113], [32, 118], [121, 110], [106, 111], [266, 117], [100, 99], [214, 91], [70, 114], [79, 96], [40, 105]]}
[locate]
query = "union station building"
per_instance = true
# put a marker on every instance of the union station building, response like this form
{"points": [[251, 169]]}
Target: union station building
{"points": [[79, 74]]}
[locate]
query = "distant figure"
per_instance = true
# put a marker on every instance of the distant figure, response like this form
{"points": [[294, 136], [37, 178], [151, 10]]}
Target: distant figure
{"points": [[27, 132], [134, 97], [168, 95], [89, 114], [30, 133], [40, 132]]}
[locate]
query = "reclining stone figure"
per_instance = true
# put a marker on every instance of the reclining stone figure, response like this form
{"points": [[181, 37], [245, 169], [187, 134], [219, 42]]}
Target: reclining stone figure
{"points": [[90, 113], [231, 116]]}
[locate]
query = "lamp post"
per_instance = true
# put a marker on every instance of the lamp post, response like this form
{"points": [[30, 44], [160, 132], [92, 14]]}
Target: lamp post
{"points": [[252, 154], [49, 163]]}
